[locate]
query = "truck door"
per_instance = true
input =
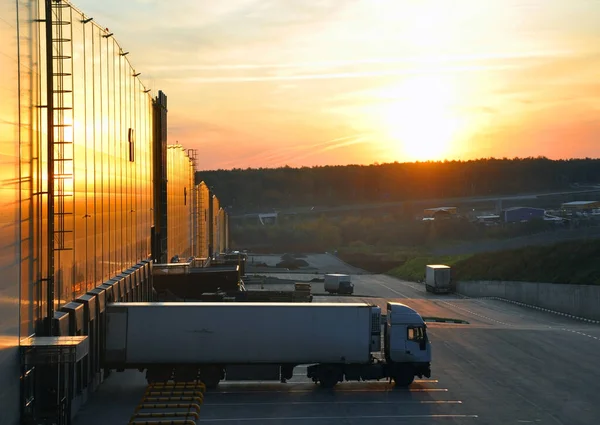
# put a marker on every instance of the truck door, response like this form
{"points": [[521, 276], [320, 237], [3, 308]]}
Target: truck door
{"points": [[345, 287], [396, 343]]}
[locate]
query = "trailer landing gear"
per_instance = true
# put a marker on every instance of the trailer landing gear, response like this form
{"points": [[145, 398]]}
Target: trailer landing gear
{"points": [[326, 375], [328, 380]]}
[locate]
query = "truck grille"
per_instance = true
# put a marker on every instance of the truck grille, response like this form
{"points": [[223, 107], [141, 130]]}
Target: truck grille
{"points": [[376, 321]]}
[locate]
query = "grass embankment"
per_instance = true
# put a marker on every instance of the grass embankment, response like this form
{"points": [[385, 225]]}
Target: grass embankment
{"points": [[414, 268], [377, 259], [568, 262]]}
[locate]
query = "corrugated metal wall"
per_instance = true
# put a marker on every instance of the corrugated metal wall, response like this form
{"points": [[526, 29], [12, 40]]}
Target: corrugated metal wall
{"points": [[215, 225], [180, 187], [102, 170], [112, 137], [226, 232], [202, 233], [222, 233], [15, 276]]}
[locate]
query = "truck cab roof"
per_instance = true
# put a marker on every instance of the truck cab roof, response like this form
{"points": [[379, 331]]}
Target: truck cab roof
{"points": [[399, 313]]}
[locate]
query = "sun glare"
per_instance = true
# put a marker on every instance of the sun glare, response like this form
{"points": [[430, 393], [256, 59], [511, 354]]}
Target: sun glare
{"points": [[418, 119]]}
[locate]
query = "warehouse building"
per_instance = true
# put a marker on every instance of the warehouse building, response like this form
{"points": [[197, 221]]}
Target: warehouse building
{"points": [[519, 214], [440, 212], [180, 203], [76, 145], [216, 220], [202, 220], [91, 197]]}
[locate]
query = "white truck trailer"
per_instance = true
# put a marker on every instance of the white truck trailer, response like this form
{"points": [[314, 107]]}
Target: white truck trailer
{"points": [[336, 283], [438, 278], [216, 341]]}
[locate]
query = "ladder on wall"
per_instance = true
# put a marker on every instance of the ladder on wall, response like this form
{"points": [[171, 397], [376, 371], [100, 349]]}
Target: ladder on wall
{"points": [[63, 123], [59, 190]]}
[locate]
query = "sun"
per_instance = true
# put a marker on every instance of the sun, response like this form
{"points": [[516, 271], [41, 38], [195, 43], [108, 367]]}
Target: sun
{"points": [[418, 119]]}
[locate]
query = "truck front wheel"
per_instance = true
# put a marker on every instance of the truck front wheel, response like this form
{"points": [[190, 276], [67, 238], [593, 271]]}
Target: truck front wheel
{"points": [[403, 377]]}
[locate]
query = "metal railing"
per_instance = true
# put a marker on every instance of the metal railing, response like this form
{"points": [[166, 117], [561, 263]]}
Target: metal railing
{"points": [[173, 403]]}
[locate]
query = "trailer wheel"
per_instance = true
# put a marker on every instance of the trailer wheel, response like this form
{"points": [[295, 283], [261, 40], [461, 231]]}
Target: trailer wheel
{"points": [[328, 378], [158, 374], [328, 382], [210, 376]]}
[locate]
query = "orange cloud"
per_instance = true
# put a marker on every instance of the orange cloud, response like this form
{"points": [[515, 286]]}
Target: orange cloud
{"points": [[275, 82]]}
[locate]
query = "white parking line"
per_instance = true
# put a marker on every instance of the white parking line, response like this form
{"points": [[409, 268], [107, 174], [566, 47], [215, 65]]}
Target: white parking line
{"points": [[283, 403], [476, 314], [307, 418], [581, 333], [393, 290], [422, 381], [363, 390]]}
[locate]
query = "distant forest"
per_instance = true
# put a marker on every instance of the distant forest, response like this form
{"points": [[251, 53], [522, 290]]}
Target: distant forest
{"points": [[365, 233], [253, 190]]}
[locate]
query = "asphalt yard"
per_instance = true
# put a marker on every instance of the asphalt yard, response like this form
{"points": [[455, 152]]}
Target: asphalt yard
{"points": [[302, 402]]}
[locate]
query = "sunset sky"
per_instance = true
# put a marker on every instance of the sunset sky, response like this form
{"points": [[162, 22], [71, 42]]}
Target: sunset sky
{"points": [[254, 83]]}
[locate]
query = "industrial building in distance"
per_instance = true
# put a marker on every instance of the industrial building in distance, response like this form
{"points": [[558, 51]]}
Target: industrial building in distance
{"points": [[580, 206], [518, 214], [92, 196]]}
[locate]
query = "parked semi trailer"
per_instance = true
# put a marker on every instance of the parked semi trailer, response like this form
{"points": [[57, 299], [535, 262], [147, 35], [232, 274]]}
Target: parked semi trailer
{"points": [[265, 341], [438, 278], [336, 283]]}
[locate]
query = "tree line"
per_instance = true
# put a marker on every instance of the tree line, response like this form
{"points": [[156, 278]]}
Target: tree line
{"points": [[328, 234], [261, 189]]}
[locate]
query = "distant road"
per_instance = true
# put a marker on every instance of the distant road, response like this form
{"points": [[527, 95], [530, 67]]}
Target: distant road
{"points": [[437, 202], [318, 263]]}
